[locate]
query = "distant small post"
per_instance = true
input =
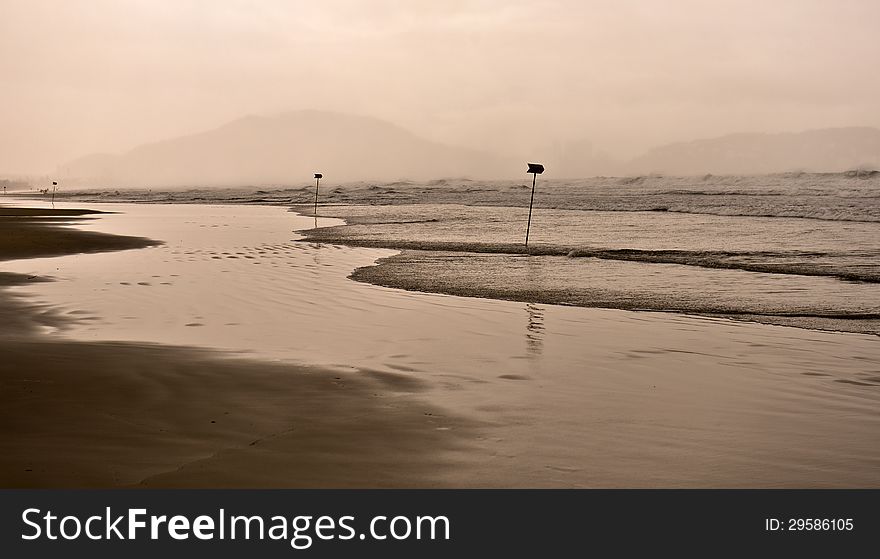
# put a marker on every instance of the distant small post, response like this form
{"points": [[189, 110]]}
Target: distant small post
{"points": [[535, 169], [54, 187], [318, 177]]}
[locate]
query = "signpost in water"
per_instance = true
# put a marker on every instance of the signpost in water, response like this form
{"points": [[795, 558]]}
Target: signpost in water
{"points": [[535, 169], [318, 177], [54, 187]]}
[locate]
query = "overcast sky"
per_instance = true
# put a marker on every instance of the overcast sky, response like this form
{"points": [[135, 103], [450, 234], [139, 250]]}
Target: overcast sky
{"points": [[105, 75]]}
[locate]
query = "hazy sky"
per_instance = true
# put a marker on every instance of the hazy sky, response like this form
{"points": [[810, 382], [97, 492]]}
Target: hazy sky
{"points": [[515, 77]]}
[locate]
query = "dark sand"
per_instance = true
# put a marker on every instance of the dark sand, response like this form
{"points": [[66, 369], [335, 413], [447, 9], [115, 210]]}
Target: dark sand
{"points": [[34, 233], [77, 414], [97, 415]]}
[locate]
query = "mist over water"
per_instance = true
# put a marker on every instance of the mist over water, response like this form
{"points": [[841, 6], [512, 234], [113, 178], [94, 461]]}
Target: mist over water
{"points": [[849, 196]]}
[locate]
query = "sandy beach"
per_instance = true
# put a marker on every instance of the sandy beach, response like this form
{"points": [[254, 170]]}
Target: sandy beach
{"points": [[125, 369], [104, 414]]}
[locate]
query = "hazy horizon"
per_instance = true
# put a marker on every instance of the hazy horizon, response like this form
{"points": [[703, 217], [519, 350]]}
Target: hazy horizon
{"points": [[275, 150], [521, 80]]}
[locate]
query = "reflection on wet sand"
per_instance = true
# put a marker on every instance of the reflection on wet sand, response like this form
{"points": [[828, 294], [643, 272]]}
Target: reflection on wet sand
{"points": [[535, 330]]}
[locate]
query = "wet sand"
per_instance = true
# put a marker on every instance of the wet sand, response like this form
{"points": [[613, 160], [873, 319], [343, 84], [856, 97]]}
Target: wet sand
{"points": [[88, 414], [99, 415], [449, 391], [39, 232], [600, 284]]}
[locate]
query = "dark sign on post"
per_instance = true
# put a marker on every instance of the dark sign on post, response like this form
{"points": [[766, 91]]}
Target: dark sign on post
{"points": [[535, 169], [318, 177]]}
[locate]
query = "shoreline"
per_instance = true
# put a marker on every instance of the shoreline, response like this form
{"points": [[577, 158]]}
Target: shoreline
{"points": [[334, 383], [447, 268], [396, 272], [107, 414], [44, 232]]}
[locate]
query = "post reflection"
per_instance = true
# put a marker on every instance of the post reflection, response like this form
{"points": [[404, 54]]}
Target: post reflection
{"points": [[535, 330]]}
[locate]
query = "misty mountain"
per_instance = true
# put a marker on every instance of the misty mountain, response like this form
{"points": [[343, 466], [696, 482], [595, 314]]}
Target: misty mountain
{"points": [[284, 149], [288, 148], [825, 150]]}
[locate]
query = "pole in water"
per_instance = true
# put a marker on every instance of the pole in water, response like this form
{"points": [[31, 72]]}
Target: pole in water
{"points": [[54, 186], [535, 169], [318, 177]]}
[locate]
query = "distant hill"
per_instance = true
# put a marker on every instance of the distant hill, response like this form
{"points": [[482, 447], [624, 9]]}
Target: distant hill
{"points": [[283, 149], [288, 148], [830, 149]]}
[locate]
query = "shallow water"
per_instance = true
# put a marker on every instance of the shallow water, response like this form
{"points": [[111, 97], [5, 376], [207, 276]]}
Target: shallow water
{"points": [[785, 271], [795, 249], [565, 396]]}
